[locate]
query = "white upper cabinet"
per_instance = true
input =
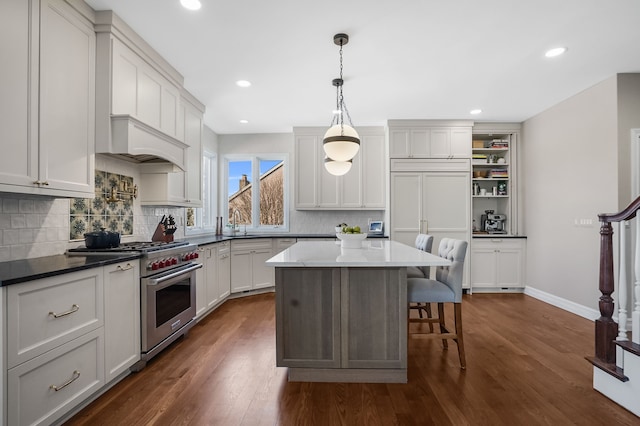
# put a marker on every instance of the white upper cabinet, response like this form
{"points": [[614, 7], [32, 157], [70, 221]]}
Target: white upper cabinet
{"points": [[429, 139], [363, 187], [47, 99]]}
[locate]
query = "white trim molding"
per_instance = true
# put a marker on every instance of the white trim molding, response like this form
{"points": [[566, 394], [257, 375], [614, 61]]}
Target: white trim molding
{"points": [[567, 305]]}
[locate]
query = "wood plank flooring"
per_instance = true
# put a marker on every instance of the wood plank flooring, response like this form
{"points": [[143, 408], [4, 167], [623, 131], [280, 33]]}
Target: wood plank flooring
{"points": [[525, 366]]}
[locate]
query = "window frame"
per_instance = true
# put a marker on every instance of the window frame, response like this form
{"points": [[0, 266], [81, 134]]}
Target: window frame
{"points": [[255, 190]]}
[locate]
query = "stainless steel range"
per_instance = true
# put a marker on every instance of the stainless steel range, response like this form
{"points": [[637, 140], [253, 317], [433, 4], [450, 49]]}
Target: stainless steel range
{"points": [[167, 291]]}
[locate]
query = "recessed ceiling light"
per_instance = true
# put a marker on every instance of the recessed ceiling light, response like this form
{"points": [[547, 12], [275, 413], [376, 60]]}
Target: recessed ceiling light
{"points": [[191, 4], [475, 111], [243, 83], [244, 121], [556, 51]]}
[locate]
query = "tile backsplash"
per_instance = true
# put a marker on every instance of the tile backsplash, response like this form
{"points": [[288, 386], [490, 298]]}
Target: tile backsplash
{"points": [[111, 209]]}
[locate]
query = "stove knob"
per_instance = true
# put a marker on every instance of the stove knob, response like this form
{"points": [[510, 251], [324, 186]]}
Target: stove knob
{"points": [[161, 263], [174, 261], [154, 266], [195, 255]]}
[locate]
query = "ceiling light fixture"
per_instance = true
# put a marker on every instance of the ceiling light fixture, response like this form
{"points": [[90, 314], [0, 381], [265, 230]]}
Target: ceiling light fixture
{"points": [[556, 51], [337, 168], [243, 83], [341, 142], [475, 111], [244, 121], [191, 4]]}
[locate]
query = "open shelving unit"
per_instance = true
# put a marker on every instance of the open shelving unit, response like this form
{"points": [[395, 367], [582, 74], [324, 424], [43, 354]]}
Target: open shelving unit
{"points": [[492, 183]]}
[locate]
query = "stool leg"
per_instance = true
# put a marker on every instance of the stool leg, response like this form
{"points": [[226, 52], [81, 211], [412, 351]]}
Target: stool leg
{"points": [[459, 340], [443, 329]]}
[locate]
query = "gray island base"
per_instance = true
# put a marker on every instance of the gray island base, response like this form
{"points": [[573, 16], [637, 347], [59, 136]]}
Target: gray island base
{"points": [[341, 314]]}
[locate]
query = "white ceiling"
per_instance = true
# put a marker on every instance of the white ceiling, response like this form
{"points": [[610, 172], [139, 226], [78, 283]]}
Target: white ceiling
{"points": [[406, 59]]}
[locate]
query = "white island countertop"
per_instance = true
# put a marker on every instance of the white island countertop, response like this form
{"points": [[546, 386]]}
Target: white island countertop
{"points": [[374, 253]]}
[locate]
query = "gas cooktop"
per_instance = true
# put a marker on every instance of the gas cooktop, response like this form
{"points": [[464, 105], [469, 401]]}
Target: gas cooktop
{"points": [[141, 246]]}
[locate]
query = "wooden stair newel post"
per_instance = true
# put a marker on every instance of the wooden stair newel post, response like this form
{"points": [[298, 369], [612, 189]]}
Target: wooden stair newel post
{"points": [[606, 327]]}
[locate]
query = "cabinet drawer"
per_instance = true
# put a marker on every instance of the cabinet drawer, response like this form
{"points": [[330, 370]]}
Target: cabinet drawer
{"points": [[253, 244], [496, 243], [75, 369], [32, 327]]}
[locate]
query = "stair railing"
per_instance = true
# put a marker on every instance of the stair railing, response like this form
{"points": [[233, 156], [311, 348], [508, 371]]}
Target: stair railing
{"points": [[607, 330]]}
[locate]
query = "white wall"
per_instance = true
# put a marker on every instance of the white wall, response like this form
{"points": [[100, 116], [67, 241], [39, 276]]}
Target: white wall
{"points": [[300, 221], [570, 162]]}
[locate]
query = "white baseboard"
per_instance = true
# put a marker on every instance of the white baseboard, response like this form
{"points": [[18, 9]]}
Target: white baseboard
{"points": [[567, 305]]}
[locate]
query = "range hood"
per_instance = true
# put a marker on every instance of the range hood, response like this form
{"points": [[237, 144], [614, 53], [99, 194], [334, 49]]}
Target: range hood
{"points": [[135, 141]]}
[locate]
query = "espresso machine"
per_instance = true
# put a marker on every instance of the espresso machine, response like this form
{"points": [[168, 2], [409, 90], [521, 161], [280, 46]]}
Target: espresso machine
{"points": [[494, 223]]}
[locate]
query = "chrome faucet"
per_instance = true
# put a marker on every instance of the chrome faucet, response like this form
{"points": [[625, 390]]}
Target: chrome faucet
{"points": [[234, 220]]}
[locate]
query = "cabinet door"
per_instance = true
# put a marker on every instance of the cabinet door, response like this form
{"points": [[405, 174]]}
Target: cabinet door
{"points": [[241, 276], [67, 100], [406, 207], [445, 202], [211, 276], [483, 267], [122, 317], [420, 143], [440, 143], [351, 183], [328, 186], [263, 275], [308, 317], [374, 324], [201, 287], [509, 268], [18, 95], [307, 162], [399, 140], [193, 138], [374, 176], [461, 143], [224, 273]]}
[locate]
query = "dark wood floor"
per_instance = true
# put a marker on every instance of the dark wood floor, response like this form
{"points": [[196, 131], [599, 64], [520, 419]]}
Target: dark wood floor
{"points": [[525, 366]]}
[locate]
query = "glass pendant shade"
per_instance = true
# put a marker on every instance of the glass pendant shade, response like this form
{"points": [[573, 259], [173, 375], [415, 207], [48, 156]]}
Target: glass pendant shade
{"points": [[337, 168], [341, 142]]}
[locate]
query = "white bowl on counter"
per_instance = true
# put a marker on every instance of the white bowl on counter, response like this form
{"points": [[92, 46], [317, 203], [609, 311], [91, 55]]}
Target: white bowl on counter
{"points": [[353, 241]]}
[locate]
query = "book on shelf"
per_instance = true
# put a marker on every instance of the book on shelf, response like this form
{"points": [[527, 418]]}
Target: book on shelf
{"points": [[500, 143]]}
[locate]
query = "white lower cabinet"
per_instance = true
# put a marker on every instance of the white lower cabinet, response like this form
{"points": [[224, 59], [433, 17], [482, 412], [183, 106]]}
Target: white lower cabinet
{"points": [[498, 263], [44, 388], [66, 337], [213, 279], [248, 268], [224, 270], [121, 317]]}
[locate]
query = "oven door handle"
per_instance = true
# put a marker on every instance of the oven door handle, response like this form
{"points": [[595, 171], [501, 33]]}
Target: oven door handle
{"points": [[156, 281]]}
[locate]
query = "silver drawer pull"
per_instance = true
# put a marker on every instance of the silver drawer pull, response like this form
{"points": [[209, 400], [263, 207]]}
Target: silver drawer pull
{"points": [[76, 376], [125, 268], [74, 308]]}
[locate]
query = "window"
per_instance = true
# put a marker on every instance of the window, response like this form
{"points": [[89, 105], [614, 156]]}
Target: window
{"points": [[204, 219], [256, 191]]}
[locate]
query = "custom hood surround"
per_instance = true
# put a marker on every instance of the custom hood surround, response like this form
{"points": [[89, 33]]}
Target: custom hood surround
{"points": [[140, 111]]}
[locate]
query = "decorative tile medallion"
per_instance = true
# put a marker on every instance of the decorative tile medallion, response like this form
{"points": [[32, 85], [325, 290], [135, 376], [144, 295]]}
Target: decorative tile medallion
{"points": [[112, 209]]}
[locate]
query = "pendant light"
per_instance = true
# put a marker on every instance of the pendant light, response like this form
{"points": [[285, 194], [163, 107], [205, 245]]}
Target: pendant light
{"points": [[337, 168], [341, 142]]}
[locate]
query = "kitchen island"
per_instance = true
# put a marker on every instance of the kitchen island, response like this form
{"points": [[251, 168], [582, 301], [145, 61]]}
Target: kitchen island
{"points": [[341, 314]]}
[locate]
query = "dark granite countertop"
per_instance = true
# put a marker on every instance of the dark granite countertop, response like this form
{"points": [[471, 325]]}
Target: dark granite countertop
{"points": [[203, 240], [19, 271]]}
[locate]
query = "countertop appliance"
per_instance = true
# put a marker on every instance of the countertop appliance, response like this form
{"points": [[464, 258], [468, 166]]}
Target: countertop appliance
{"points": [[167, 291], [495, 224]]}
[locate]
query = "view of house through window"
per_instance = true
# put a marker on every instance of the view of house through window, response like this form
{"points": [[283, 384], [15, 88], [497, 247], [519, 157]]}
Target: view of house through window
{"points": [[256, 191]]}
